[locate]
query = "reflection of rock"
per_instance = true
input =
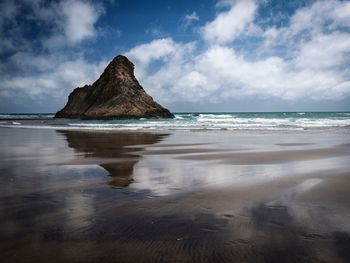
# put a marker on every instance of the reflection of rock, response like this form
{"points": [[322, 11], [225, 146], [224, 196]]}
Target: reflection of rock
{"points": [[112, 145], [109, 145], [121, 172]]}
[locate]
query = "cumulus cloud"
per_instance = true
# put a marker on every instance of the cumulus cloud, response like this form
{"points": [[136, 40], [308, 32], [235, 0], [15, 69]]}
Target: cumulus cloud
{"points": [[48, 66], [173, 59], [157, 49], [49, 76], [324, 51], [269, 77], [305, 58], [79, 21], [58, 24], [228, 25], [314, 64], [320, 16], [73, 21]]}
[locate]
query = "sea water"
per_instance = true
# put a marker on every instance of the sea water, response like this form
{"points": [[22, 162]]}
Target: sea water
{"points": [[192, 121]]}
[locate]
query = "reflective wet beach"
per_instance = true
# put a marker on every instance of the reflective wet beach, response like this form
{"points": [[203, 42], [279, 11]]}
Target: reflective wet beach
{"points": [[182, 196]]}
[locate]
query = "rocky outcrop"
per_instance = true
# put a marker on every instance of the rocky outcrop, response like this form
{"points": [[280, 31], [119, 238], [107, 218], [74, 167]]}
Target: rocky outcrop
{"points": [[115, 95]]}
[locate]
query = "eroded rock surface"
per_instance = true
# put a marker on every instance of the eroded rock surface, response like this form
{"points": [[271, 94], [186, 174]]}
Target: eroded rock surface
{"points": [[115, 95]]}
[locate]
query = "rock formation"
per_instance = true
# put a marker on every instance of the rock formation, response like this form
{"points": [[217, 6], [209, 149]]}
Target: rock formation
{"points": [[115, 95]]}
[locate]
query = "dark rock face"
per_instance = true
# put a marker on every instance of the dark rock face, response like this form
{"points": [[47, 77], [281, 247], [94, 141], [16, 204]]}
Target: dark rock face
{"points": [[115, 95]]}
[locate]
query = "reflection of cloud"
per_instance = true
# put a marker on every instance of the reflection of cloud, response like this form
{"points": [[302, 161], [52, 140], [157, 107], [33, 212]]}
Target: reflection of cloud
{"points": [[79, 208], [140, 164], [307, 185], [320, 219], [167, 174], [297, 191]]}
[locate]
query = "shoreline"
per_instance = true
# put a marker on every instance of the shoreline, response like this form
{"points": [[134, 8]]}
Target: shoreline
{"points": [[344, 130], [278, 121]]}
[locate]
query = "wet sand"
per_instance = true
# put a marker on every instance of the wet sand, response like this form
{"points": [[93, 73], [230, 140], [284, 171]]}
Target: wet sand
{"points": [[269, 157], [72, 196]]}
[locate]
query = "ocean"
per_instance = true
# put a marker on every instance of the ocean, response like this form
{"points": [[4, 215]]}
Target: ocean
{"points": [[192, 121]]}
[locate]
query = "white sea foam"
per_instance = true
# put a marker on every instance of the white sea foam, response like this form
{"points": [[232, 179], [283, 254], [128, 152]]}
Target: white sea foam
{"points": [[25, 116], [203, 121]]}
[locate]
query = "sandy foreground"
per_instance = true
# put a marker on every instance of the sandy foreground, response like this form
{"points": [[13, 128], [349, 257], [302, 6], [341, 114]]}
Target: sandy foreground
{"points": [[191, 196]]}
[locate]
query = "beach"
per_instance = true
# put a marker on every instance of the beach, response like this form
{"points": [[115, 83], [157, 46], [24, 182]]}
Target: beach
{"points": [[195, 195], [169, 131]]}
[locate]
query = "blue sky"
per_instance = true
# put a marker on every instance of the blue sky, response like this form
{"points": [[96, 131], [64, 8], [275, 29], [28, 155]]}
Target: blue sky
{"points": [[225, 55]]}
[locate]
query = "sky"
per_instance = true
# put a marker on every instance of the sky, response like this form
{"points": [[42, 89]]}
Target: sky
{"points": [[200, 55]]}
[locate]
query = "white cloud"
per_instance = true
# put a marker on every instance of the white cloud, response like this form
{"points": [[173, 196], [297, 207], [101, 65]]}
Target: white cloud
{"points": [[306, 59], [325, 51], [80, 17], [69, 22], [227, 26], [237, 77], [174, 59], [188, 20], [192, 17], [50, 76], [314, 66], [157, 49], [54, 71], [321, 15]]}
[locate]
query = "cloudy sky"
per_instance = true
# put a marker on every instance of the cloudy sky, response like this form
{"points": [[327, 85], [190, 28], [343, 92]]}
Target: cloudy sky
{"points": [[200, 55]]}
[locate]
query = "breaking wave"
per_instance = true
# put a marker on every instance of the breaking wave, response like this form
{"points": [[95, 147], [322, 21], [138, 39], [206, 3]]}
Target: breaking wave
{"points": [[191, 121]]}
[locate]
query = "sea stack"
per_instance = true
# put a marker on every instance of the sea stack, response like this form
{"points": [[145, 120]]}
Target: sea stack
{"points": [[115, 95]]}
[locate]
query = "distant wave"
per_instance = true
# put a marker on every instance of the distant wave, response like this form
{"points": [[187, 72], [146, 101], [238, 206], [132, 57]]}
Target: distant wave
{"points": [[192, 121], [26, 116]]}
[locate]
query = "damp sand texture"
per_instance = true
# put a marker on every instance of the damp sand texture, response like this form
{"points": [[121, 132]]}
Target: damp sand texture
{"points": [[174, 196]]}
